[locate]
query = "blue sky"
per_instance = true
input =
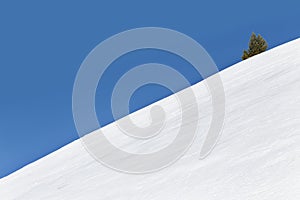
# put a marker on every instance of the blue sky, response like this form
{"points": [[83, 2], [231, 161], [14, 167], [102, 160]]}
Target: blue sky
{"points": [[42, 44]]}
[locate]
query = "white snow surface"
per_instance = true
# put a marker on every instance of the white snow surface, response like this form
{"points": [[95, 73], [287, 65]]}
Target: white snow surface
{"points": [[256, 157]]}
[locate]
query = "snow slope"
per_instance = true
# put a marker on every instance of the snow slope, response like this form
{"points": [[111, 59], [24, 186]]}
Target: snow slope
{"points": [[257, 156]]}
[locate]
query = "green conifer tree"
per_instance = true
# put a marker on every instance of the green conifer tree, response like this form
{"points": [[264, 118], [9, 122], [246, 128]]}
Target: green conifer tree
{"points": [[257, 45]]}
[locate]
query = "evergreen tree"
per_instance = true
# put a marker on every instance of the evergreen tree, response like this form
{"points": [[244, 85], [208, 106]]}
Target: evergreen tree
{"points": [[257, 45]]}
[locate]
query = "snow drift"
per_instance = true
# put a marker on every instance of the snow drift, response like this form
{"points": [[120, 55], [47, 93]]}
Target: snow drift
{"points": [[257, 156]]}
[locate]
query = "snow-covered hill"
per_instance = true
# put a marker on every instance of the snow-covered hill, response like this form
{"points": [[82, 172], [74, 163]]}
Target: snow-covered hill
{"points": [[257, 156]]}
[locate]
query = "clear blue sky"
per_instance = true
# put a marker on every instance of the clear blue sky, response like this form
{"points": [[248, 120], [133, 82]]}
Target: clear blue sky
{"points": [[42, 44]]}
